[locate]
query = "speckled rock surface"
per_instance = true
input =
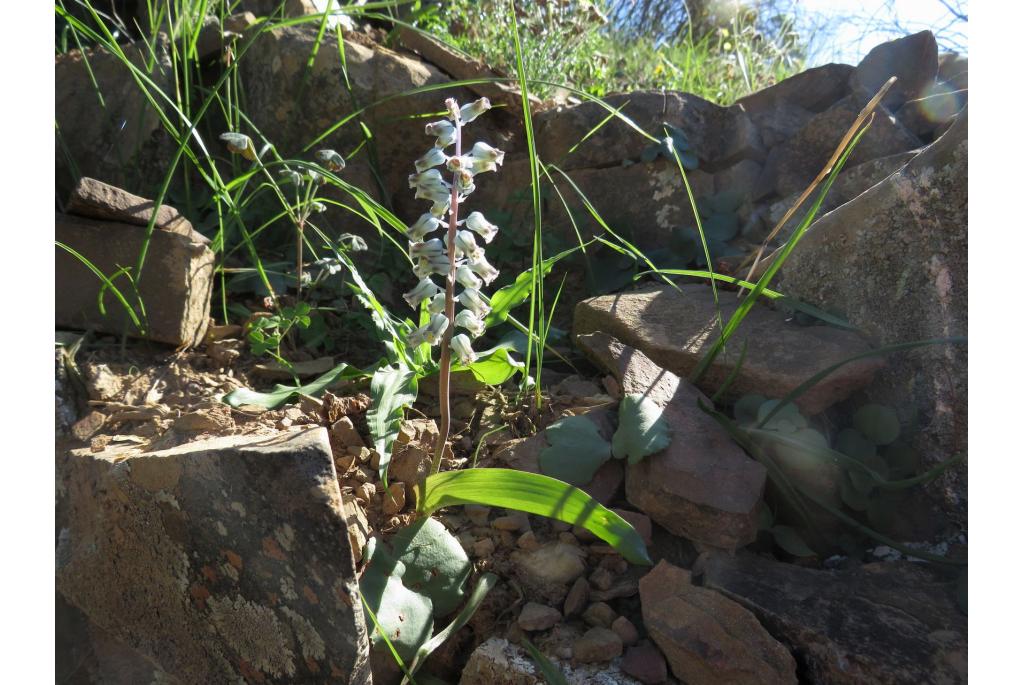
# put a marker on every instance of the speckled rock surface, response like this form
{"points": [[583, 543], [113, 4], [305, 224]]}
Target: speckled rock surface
{"points": [[218, 561], [707, 638], [499, 662], [702, 486], [894, 261], [674, 328], [891, 623]]}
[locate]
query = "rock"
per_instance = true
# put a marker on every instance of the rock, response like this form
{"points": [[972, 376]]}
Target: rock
{"points": [[740, 178], [719, 136], [576, 600], [602, 578], [626, 631], [499, 662], [599, 614], [98, 200], [913, 288], [344, 435], [640, 522], [527, 541], [813, 90], [88, 425], [597, 644], [211, 419], [880, 623], [792, 165], [549, 569], [219, 561], [483, 548], [175, 286], [133, 156], [953, 70], [850, 183], [606, 481], [672, 327], [538, 617], [511, 522], [478, 514], [66, 392], [780, 122], [702, 486], [356, 524], [645, 663], [913, 60], [707, 638], [394, 498]]}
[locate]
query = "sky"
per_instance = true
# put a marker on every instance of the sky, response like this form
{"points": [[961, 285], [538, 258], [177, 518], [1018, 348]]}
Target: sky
{"points": [[848, 29]]}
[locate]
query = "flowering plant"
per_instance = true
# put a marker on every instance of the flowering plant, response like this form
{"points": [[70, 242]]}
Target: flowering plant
{"points": [[457, 257]]}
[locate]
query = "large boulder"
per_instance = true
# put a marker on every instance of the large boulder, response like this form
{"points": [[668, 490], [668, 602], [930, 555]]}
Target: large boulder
{"points": [[675, 327], [707, 638], [894, 261], [892, 623], [111, 131], [913, 60], [218, 561], [702, 486]]}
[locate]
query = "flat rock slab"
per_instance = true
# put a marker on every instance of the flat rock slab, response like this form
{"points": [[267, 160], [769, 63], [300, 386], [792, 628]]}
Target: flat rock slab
{"points": [[220, 561], [709, 639], [99, 200], [175, 287], [500, 662], [675, 328], [894, 623], [702, 486]]}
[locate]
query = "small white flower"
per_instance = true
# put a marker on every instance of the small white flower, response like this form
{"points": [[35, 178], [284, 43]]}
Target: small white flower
{"points": [[481, 226], [465, 276], [331, 159], [471, 322], [471, 299], [453, 109], [460, 163], [430, 333], [445, 132], [439, 195], [440, 208], [466, 244], [240, 144], [484, 151], [482, 268], [427, 250], [474, 109], [432, 265], [436, 305], [462, 349], [464, 182], [427, 179], [424, 289], [294, 176], [424, 225], [433, 158], [318, 207]]}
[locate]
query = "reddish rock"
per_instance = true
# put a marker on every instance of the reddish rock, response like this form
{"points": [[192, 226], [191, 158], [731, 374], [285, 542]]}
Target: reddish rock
{"points": [[645, 663]]}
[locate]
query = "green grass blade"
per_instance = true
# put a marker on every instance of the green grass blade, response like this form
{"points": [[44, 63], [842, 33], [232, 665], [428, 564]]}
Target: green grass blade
{"points": [[107, 283], [534, 494], [552, 674], [282, 394]]}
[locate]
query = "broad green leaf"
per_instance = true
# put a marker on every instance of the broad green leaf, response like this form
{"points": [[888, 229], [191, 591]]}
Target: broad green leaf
{"points": [[391, 391], [552, 674], [494, 366], [281, 394], [504, 300], [405, 617], [435, 563], [788, 539], [642, 429], [534, 494], [577, 450]]}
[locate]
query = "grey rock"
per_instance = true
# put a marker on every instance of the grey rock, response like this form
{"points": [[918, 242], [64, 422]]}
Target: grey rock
{"points": [[597, 644], [499, 662], [549, 569], [576, 600], [892, 623], [99, 200], [702, 486], [538, 617], [894, 261], [217, 561], [674, 328], [913, 60], [176, 282], [707, 638], [813, 90]]}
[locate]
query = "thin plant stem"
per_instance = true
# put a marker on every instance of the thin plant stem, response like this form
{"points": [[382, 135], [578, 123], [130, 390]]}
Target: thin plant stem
{"points": [[444, 373]]}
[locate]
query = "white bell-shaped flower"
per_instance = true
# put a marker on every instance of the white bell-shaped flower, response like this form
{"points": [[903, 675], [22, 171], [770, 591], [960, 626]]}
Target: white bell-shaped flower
{"points": [[471, 299], [331, 160], [427, 250], [474, 109], [435, 157], [466, 278], [423, 290], [481, 226], [445, 132], [433, 265], [481, 267], [427, 179], [471, 322], [482, 150], [436, 305], [466, 244], [431, 332], [463, 350], [427, 223]]}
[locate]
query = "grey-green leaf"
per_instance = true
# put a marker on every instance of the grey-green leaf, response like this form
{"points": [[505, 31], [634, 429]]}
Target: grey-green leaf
{"points": [[282, 394], [577, 450], [642, 429], [435, 563]]}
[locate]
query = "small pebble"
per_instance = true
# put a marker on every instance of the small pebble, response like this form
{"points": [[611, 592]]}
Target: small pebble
{"points": [[616, 564], [599, 614], [366, 491], [477, 514], [511, 522], [645, 663], [394, 500], [597, 645], [569, 539], [625, 629], [576, 600], [538, 617], [527, 541], [602, 578], [364, 474], [484, 548]]}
